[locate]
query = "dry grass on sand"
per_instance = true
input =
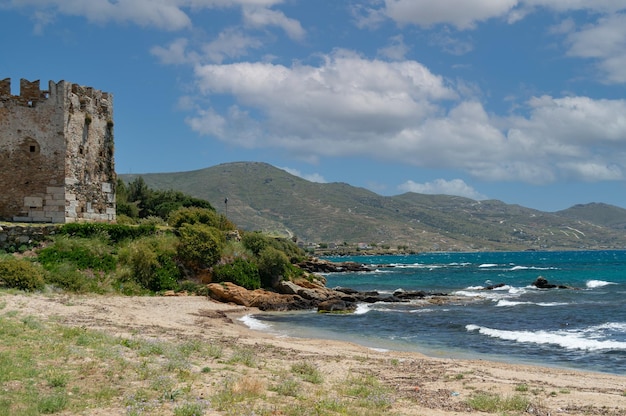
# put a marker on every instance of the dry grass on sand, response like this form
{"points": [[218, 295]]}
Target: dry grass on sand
{"points": [[113, 355]]}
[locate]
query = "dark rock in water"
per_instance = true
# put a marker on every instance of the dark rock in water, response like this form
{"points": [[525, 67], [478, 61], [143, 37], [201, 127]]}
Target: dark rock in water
{"points": [[491, 287], [346, 290], [407, 295], [542, 283], [315, 265], [410, 294], [336, 306], [380, 298]]}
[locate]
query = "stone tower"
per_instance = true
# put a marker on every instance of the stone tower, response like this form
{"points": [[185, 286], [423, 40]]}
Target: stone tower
{"points": [[56, 153]]}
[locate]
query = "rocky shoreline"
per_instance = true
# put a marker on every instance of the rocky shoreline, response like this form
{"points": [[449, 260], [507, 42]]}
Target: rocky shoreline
{"points": [[311, 292]]}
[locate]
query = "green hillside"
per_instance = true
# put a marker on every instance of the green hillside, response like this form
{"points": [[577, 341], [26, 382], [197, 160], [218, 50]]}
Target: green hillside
{"points": [[262, 197]]}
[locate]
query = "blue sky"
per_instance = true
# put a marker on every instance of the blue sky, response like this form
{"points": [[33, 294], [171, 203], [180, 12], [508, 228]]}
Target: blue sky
{"points": [[517, 100]]}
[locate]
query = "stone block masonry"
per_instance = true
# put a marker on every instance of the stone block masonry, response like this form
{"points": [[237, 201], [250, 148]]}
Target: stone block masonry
{"points": [[14, 237], [56, 153]]}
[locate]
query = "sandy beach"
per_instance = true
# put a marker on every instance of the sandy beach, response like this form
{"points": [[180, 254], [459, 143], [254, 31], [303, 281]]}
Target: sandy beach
{"points": [[419, 385]]}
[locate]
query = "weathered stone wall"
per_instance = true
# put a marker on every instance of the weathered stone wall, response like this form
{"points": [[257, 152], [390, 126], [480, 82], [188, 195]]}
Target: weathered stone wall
{"points": [[32, 149], [12, 237], [56, 153], [89, 169]]}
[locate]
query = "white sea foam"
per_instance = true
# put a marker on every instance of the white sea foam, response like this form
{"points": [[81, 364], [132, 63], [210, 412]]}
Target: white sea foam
{"points": [[486, 265], [469, 294], [495, 294], [253, 323], [415, 266], [608, 326], [514, 290], [586, 340], [592, 284], [504, 302], [530, 268], [421, 310], [361, 309]]}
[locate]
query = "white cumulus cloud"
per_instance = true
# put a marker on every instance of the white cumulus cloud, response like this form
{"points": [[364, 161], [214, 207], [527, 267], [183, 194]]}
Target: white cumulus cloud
{"points": [[261, 17], [163, 14], [311, 177], [604, 42], [456, 187], [464, 14], [346, 99], [402, 112]]}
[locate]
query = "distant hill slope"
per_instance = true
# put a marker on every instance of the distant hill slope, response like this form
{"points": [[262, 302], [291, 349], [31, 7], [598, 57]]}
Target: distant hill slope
{"points": [[598, 213], [262, 197]]}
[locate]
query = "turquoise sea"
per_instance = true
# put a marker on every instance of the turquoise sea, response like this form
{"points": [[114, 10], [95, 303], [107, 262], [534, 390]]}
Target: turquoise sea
{"points": [[582, 328]]}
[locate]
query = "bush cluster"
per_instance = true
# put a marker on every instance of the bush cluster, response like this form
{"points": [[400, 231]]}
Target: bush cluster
{"points": [[240, 271], [20, 274], [82, 253], [137, 201], [200, 246], [152, 263], [256, 242], [195, 215], [151, 257], [115, 232]]}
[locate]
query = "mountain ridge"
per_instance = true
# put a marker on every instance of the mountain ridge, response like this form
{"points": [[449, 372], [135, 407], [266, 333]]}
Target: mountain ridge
{"points": [[259, 196]]}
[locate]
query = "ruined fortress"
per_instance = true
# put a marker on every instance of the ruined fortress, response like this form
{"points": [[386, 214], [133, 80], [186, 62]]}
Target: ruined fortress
{"points": [[56, 153]]}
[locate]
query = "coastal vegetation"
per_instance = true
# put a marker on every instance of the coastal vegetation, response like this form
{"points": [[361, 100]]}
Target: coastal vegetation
{"points": [[164, 241]]}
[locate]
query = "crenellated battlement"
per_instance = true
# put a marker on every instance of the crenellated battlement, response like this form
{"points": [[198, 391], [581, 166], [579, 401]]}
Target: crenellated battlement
{"points": [[31, 94]]}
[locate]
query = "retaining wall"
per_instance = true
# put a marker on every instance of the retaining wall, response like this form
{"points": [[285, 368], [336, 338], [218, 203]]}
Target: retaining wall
{"points": [[12, 237]]}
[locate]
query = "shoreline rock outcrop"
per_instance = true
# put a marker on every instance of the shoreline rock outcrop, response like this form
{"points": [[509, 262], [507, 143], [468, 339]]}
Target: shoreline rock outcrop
{"points": [[303, 295]]}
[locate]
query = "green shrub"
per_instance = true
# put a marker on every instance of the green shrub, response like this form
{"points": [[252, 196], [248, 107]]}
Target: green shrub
{"points": [[128, 209], [115, 232], [152, 262], [194, 215], [153, 220], [200, 246], [241, 272], [20, 274], [257, 242], [123, 219], [291, 249], [273, 266], [85, 253], [67, 277]]}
